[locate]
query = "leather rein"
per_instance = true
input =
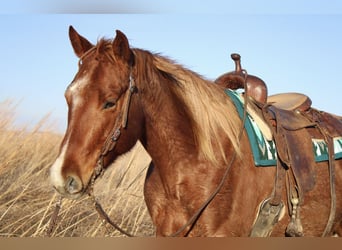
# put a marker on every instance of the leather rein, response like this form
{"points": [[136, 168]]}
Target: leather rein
{"points": [[109, 145]]}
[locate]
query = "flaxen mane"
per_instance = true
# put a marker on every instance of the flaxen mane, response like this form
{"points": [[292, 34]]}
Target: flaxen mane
{"points": [[212, 111]]}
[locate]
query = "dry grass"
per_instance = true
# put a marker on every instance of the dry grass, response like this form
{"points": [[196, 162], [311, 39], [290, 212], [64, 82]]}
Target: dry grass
{"points": [[27, 200]]}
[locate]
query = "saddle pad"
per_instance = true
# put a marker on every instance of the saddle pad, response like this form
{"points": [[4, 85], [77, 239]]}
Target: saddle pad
{"points": [[264, 151]]}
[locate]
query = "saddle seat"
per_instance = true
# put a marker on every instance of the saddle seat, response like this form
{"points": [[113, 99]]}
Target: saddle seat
{"points": [[290, 101]]}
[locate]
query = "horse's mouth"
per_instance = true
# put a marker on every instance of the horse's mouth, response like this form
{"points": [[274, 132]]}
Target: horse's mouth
{"points": [[74, 196]]}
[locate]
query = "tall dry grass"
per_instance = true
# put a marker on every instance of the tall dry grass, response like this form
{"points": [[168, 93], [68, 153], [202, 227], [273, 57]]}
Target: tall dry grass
{"points": [[27, 200]]}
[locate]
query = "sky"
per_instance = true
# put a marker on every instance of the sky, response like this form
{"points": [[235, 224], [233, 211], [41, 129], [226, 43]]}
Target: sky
{"points": [[294, 46]]}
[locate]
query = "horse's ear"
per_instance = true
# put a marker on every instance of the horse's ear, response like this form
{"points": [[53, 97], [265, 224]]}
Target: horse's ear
{"points": [[121, 47], [80, 44]]}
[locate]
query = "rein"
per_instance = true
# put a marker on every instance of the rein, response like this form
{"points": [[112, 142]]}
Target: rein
{"points": [[196, 215], [109, 145]]}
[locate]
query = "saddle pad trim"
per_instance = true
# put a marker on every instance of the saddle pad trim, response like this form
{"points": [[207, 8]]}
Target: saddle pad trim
{"points": [[264, 151], [320, 149]]}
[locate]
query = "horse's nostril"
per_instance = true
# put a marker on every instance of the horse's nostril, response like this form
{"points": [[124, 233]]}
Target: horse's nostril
{"points": [[73, 185]]}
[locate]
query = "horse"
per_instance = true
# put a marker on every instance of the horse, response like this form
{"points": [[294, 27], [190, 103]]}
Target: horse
{"points": [[202, 180]]}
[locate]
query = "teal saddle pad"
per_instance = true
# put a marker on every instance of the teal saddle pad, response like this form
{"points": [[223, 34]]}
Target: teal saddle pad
{"points": [[264, 151]]}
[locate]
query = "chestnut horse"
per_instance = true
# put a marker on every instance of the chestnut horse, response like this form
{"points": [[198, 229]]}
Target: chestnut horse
{"points": [[191, 130]]}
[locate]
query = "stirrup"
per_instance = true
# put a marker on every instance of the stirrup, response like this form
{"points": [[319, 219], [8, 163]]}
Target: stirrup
{"points": [[268, 216]]}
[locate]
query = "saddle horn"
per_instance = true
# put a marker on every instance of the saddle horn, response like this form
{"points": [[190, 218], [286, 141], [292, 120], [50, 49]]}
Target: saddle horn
{"points": [[256, 87], [237, 59]]}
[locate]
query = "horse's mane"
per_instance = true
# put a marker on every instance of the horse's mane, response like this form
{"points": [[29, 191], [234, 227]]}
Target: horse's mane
{"points": [[212, 112]]}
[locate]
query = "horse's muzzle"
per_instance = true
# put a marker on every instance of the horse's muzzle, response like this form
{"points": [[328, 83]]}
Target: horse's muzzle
{"points": [[72, 189]]}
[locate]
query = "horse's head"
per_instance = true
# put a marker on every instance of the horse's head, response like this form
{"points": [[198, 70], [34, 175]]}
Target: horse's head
{"points": [[103, 120]]}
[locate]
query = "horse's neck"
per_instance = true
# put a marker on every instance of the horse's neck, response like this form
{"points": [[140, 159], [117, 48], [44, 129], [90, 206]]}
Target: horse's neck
{"points": [[168, 132]]}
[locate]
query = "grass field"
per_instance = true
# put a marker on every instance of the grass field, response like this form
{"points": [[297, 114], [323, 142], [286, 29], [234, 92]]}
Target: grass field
{"points": [[27, 199]]}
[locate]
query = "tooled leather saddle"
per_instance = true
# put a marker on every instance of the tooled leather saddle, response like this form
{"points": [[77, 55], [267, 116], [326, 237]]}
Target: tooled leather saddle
{"points": [[293, 123]]}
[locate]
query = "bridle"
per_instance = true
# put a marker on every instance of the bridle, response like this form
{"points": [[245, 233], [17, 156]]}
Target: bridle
{"points": [[109, 145], [114, 135], [111, 141]]}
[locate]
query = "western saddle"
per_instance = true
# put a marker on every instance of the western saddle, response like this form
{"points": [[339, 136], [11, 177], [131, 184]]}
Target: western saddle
{"points": [[292, 122], [257, 89]]}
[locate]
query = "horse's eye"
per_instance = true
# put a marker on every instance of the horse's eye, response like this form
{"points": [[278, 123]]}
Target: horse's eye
{"points": [[108, 105]]}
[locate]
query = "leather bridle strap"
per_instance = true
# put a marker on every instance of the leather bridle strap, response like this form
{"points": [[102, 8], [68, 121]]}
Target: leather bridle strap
{"points": [[109, 145], [121, 121], [114, 135]]}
